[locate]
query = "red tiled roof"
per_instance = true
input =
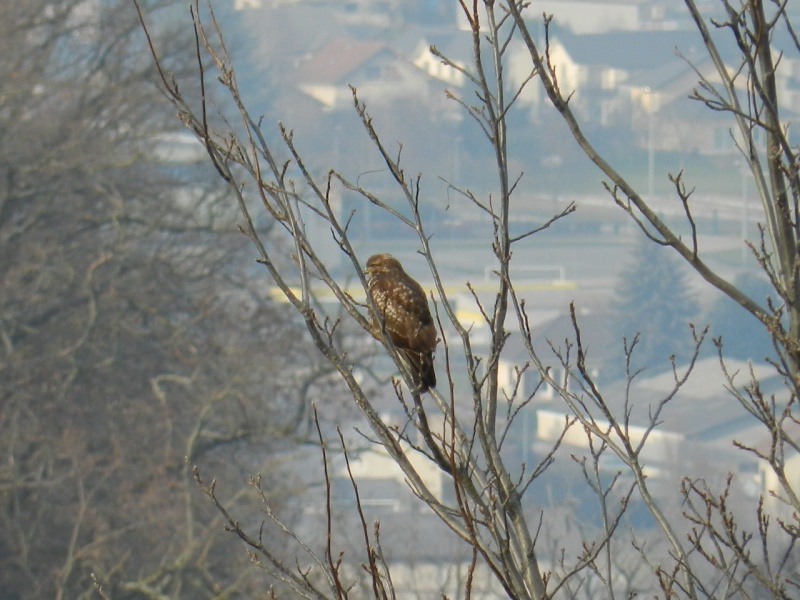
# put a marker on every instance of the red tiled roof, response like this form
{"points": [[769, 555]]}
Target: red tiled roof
{"points": [[337, 59]]}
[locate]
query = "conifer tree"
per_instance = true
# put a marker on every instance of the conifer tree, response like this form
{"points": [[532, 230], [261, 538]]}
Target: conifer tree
{"points": [[742, 335], [653, 306]]}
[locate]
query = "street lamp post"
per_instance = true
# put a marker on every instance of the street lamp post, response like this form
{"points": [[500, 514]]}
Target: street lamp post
{"points": [[651, 153], [743, 169]]}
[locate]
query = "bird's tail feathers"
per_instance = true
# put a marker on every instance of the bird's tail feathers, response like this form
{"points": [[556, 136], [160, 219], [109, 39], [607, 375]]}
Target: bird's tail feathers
{"points": [[421, 366]]}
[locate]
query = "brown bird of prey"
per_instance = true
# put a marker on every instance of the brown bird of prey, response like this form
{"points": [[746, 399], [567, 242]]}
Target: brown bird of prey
{"points": [[404, 316]]}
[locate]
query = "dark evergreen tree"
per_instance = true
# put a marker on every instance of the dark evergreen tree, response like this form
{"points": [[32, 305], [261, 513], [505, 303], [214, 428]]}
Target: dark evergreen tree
{"points": [[653, 301]]}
